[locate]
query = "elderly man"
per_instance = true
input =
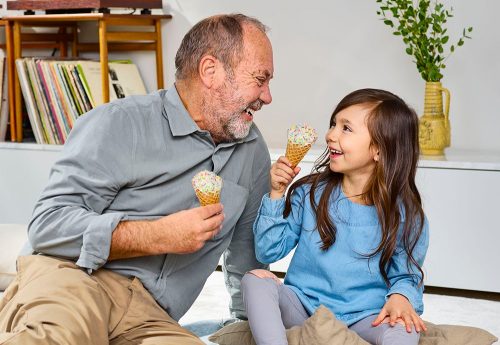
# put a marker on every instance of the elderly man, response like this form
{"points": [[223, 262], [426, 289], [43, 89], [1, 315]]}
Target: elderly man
{"points": [[124, 248]]}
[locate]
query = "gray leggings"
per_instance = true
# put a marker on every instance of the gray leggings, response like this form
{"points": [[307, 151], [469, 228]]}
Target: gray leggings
{"points": [[273, 307]]}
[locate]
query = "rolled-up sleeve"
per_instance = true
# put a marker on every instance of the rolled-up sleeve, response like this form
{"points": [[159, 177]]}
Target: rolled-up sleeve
{"points": [[71, 218]]}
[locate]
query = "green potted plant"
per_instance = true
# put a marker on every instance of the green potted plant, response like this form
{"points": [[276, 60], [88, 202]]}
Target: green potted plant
{"points": [[421, 25]]}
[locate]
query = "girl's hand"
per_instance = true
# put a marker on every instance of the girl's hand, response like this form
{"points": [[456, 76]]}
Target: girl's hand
{"points": [[266, 274], [398, 309], [282, 175]]}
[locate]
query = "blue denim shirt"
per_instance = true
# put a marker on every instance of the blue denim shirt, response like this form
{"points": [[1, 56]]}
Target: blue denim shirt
{"points": [[133, 159], [341, 278]]}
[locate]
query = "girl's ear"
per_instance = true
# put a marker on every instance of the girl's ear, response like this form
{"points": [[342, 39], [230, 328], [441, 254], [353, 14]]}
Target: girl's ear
{"points": [[207, 70], [376, 153]]}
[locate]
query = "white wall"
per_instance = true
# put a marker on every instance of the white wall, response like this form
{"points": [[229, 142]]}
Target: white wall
{"points": [[324, 49]]}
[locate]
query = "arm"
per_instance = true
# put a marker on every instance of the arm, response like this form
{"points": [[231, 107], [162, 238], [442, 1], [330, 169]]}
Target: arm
{"points": [[404, 300], [276, 236], [70, 219], [404, 282], [182, 232]]}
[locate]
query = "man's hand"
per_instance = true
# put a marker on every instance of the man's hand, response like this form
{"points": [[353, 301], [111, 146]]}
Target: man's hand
{"points": [[182, 232], [189, 230], [282, 175], [398, 309]]}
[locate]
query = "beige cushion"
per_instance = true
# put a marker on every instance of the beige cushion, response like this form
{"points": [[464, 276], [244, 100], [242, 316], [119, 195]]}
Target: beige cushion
{"points": [[323, 328], [12, 239]]}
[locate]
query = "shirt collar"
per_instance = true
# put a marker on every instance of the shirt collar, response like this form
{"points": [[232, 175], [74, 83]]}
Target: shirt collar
{"points": [[177, 115], [181, 123]]}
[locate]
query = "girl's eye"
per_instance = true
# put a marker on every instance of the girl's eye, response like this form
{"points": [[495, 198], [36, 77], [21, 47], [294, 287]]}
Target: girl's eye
{"points": [[333, 125], [346, 128]]}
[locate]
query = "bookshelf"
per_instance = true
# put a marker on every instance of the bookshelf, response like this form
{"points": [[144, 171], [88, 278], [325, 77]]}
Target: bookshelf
{"points": [[127, 34]]}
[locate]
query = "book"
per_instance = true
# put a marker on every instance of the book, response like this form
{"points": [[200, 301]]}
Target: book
{"points": [[4, 100], [91, 70], [84, 97], [29, 100], [50, 100], [72, 88], [41, 103], [125, 79], [61, 91]]}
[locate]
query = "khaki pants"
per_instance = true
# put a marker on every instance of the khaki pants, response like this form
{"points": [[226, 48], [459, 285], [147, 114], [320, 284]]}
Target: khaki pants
{"points": [[52, 301]]}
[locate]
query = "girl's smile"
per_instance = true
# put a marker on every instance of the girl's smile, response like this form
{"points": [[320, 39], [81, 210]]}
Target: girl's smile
{"points": [[335, 153]]}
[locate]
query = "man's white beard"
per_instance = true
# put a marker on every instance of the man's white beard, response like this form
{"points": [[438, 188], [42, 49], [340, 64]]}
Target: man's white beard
{"points": [[237, 127]]}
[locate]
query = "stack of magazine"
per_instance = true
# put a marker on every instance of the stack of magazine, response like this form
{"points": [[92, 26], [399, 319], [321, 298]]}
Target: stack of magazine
{"points": [[57, 92]]}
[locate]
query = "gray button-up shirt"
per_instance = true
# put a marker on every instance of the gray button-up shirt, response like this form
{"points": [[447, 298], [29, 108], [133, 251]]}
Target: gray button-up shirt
{"points": [[133, 159]]}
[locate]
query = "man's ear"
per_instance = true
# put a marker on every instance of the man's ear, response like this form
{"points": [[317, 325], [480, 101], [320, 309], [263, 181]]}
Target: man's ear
{"points": [[207, 70]]}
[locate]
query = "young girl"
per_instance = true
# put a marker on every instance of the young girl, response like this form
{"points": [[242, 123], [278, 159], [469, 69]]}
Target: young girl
{"points": [[356, 224]]}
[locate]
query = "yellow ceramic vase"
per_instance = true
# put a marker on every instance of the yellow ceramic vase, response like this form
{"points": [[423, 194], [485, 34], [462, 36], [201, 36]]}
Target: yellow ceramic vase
{"points": [[434, 125]]}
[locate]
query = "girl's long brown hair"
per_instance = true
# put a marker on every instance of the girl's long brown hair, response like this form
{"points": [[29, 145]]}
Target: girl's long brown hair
{"points": [[393, 127]]}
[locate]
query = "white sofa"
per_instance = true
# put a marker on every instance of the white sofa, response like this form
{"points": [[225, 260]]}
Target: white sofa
{"points": [[13, 237]]}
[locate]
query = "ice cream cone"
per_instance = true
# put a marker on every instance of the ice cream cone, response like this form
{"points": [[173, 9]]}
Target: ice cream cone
{"points": [[207, 198], [207, 187], [300, 140], [295, 152]]}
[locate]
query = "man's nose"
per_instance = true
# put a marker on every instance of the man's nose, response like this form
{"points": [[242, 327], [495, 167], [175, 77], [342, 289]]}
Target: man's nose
{"points": [[265, 95]]}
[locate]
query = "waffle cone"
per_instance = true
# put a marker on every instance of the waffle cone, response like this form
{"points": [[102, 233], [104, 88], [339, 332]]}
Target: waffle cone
{"points": [[295, 152], [207, 198]]}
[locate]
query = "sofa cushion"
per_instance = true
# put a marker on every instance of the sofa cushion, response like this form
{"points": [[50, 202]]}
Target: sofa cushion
{"points": [[322, 328], [13, 237]]}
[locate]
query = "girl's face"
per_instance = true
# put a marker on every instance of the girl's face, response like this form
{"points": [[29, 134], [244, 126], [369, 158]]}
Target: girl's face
{"points": [[349, 143]]}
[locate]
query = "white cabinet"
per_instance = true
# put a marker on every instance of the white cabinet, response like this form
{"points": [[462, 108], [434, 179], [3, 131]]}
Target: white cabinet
{"points": [[460, 195], [461, 200]]}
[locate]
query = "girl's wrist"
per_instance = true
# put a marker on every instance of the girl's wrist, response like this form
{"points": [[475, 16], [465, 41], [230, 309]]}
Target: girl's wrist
{"points": [[276, 194]]}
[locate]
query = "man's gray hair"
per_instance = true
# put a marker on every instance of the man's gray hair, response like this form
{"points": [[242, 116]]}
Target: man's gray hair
{"points": [[220, 36]]}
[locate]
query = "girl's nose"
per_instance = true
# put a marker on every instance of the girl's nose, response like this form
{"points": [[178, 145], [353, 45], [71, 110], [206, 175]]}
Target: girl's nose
{"points": [[331, 135]]}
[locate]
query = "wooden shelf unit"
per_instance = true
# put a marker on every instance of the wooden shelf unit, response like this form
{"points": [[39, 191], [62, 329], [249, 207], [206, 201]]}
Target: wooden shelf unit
{"points": [[127, 35]]}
